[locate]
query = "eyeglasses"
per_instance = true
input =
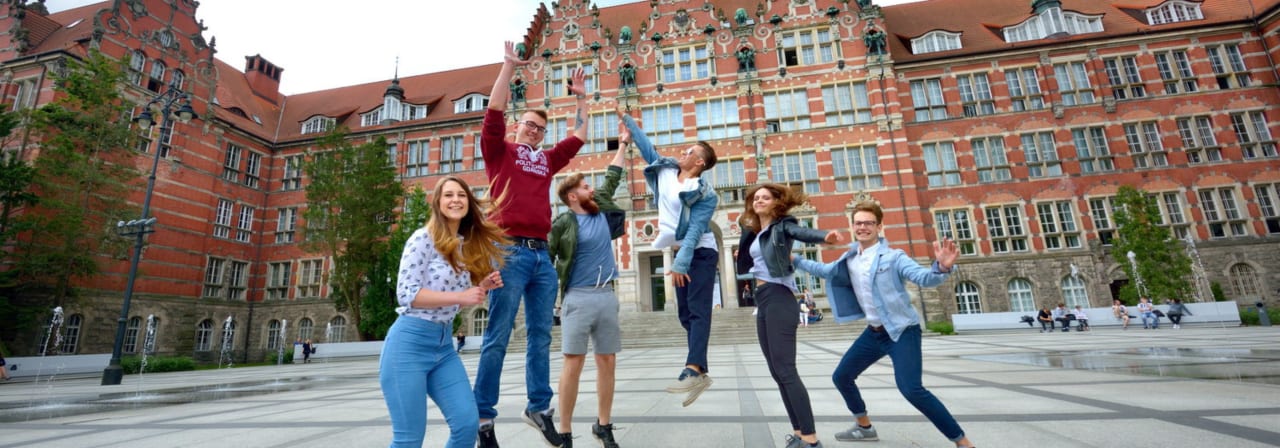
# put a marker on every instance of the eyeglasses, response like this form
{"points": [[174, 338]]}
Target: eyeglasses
{"points": [[865, 223], [535, 126], [688, 151]]}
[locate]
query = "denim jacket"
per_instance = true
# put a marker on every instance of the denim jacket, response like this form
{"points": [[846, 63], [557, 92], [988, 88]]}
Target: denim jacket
{"points": [[697, 206], [888, 269], [775, 246]]}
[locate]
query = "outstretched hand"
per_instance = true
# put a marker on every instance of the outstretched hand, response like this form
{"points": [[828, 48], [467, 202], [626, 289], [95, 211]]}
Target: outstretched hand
{"points": [[578, 84], [833, 237], [512, 57], [946, 253]]}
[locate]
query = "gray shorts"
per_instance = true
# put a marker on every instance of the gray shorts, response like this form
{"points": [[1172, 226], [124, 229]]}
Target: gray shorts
{"points": [[590, 313]]}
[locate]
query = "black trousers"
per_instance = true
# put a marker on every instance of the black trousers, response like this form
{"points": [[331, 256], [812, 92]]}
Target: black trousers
{"points": [[777, 315], [1176, 318]]}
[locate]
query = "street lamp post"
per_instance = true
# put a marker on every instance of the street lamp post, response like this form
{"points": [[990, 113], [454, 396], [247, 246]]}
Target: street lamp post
{"points": [[139, 228]]}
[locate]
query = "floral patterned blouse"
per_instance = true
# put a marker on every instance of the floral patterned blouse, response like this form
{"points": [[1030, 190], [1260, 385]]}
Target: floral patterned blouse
{"points": [[422, 267]]}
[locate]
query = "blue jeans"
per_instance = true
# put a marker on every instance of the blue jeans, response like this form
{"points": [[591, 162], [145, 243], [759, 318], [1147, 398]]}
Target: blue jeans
{"points": [[417, 362], [694, 301], [907, 372], [527, 273], [1155, 321]]}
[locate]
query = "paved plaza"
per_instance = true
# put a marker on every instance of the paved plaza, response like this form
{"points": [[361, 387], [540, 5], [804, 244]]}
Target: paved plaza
{"points": [[1198, 386]]}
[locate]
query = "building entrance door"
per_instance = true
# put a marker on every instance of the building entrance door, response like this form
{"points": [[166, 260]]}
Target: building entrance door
{"points": [[657, 289]]}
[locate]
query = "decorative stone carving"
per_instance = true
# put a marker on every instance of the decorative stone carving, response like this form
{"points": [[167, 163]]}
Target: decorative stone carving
{"points": [[517, 91], [624, 36], [863, 4], [627, 75], [740, 17], [746, 59], [874, 40]]}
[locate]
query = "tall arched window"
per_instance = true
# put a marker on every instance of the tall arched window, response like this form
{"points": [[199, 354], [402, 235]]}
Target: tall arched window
{"points": [[156, 83], [304, 328], [131, 334], [967, 299], [71, 334], [204, 335], [1021, 299], [337, 330], [1245, 280], [1074, 292], [136, 62], [479, 321], [178, 79], [273, 334]]}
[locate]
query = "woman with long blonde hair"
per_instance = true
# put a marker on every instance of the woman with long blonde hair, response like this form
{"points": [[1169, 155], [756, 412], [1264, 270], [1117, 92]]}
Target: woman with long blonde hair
{"points": [[448, 264]]}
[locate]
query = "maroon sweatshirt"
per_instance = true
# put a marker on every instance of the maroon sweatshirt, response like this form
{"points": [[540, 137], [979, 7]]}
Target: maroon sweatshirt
{"points": [[524, 175]]}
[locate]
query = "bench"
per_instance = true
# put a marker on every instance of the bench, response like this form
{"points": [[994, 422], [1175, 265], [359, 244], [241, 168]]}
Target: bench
{"points": [[1225, 313]]}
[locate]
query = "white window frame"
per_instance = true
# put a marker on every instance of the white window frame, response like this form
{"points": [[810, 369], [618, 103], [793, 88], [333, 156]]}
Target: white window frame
{"points": [[810, 46], [558, 77], [1124, 77], [214, 273], [474, 102], [1058, 227], [717, 118], [310, 275], [317, 124], [1074, 292], [1223, 214], [856, 168], [278, 277], [975, 94], [664, 123], [252, 169], [1092, 148], [602, 133], [1173, 213], [940, 163], [451, 154], [787, 110], [237, 280], [231, 163], [1268, 198], [292, 178], [1198, 141], [1255, 136], [846, 104], [1244, 280], [1074, 86], [419, 158], [796, 168], [1006, 228], [1173, 11], [1022, 298], [286, 224], [1102, 212], [936, 41], [244, 226], [204, 335], [222, 219], [968, 298], [990, 159], [957, 224], [685, 63], [1024, 89], [1145, 146], [927, 99], [1229, 68], [1041, 153], [1175, 71]]}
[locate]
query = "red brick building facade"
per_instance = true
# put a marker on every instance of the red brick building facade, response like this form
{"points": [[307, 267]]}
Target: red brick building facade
{"points": [[1002, 124]]}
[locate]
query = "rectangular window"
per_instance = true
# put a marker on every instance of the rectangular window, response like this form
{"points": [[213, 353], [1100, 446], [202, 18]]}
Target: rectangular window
{"points": [[602, 133], [1073, 83], [1175, 72], [1058, 225], [1269, 204], [557, 129], [418, 162], [807, 47], [1122, 73], [1041, 153], [1144, 145], [1101, 210], [1198, 141], [392, 159], [846, 104], [231, 164], [1221, 212], [451, 154], [309, 278], [954, 224], [975, 95], [940, 164], [292, 178], [730, 179], [213, 282], [718, 118], [252, 165], [798, 169], [166, 139], [685, 64], [560, 75], [806, 281], [1228, 66], [1171, 215], [238, 280], [222, 220], [786, 110], [664, 124], [1024, 89], [856, 168], [1091, 150], [594, 179], [26, 96], [278, 280], [286, 224], [926, 98], [1004, 226], [1253, 134], [990, 160], [477, 157], [244, 228]]}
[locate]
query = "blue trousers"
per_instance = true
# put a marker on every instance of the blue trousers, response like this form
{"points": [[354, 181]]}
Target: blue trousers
{"points": [[418, 362], [528, 273], [694, 301], [907, 372]]}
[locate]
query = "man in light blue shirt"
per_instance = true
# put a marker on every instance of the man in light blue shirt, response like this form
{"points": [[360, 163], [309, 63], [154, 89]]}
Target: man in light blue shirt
{"points": [[868, 282]]}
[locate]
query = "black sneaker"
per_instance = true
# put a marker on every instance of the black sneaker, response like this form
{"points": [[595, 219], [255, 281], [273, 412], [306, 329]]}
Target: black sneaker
{"points": [[543, 423], [567, 437], [486, 438], [604, 433]]}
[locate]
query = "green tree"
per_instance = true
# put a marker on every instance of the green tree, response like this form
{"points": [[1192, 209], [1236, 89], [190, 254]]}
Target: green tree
{"points": [[351, 201], [84, 172], [380, 303], [1162, 264]]}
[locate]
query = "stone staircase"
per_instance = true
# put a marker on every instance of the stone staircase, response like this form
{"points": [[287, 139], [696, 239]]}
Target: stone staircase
{"points": [[730, 326]]}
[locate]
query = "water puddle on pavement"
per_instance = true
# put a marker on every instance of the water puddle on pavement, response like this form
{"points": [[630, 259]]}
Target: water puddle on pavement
{"points": [[1230, 364]]}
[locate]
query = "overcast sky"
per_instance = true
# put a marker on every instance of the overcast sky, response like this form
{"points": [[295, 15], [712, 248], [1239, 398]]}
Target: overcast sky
{"points": [[323, 44]]}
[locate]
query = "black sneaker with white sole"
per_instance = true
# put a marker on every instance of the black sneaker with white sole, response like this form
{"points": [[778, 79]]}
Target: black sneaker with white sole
{"points": [[604, 433], [544, 424], [486, 438]]}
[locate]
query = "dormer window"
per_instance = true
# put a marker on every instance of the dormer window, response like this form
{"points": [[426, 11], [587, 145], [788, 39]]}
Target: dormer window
{"points": [[371, 118], [1052, 21], [1172, 12], [317, 124], [416, 112], [470, 103], [935, 41]]}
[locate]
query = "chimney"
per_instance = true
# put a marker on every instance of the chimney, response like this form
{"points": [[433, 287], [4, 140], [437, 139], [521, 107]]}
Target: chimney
{"points": [[263, 77]]}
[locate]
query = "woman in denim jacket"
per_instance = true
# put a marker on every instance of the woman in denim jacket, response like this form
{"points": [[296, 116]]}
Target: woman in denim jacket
{"points": [[765, 252]]}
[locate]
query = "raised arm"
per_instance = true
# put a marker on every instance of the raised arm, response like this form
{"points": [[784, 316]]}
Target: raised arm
{"points": [[579, 91], [637, 136], [502, 86], [824, 270]]}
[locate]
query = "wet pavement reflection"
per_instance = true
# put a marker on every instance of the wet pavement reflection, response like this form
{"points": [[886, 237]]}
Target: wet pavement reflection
{"points": [[1231, 364]]}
